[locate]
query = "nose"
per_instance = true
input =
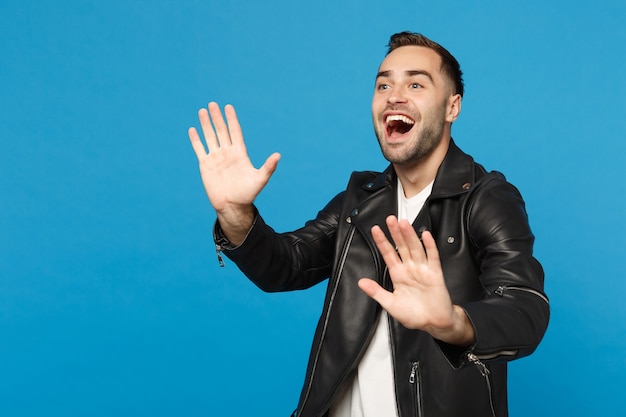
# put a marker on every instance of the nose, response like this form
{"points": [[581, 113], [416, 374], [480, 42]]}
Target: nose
{"points": [[397, 95]]}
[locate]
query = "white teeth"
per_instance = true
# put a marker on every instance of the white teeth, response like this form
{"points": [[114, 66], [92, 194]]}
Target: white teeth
{"points": [[399, 117]]}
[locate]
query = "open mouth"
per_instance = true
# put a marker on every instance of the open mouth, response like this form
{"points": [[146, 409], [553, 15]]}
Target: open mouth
{"points": [[398, 124]]}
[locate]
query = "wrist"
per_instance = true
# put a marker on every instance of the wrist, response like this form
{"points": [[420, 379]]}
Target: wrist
{"points": [[460, 333], [235, 223]]}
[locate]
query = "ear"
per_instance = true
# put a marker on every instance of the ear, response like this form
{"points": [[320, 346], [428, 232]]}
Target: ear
{"points": [[453, 108]]}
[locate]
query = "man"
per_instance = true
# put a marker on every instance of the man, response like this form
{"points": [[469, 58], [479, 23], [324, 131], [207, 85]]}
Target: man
{"points": [[422, 326]]}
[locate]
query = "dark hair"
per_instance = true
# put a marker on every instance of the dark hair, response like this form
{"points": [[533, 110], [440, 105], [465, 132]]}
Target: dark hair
{"points": [[449, 65]]}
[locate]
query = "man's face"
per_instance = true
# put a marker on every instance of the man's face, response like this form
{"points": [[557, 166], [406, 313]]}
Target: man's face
{"points": [[410, 107]]}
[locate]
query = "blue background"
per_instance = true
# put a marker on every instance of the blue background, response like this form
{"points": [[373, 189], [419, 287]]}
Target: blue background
{"points": [[111, 298]]}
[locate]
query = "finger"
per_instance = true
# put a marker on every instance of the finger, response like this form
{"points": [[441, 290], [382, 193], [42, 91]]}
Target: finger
{"points": [[207, 130], [221, 129], [398, 237], [270, 165], [234, 128], [412, 242], [376, 292], [431, 248], [386, 249], [196, 143]]}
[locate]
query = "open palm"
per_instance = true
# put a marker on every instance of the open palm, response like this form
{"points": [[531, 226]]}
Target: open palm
{"points": [[420, 298], [230, 180]]}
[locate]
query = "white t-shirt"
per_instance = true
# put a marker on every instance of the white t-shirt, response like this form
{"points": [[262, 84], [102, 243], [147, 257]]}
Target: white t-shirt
{"points": [[372, 392]]}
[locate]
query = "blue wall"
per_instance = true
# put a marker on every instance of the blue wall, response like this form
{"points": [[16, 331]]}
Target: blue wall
{"points": [[111, 298]]}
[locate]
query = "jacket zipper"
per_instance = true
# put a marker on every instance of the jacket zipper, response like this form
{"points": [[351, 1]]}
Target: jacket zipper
{"points": [[504, 288], [218, 250], [414, 379], [484, 371], [221, 242], [344, 255], [392, 351]]}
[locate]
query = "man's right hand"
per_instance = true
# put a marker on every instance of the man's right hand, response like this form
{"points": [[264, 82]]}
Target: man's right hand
{"points": [[230, 180]]}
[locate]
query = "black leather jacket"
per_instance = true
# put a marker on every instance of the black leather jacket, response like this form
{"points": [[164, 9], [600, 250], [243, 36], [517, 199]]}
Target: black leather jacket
{"points": [[485, 243]]}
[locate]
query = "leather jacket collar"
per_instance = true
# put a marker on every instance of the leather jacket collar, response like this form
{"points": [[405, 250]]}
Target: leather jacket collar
{"points": [[455, 175]]}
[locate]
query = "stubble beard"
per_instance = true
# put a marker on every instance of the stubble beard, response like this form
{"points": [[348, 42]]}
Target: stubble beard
{"points": [[420, 145]]}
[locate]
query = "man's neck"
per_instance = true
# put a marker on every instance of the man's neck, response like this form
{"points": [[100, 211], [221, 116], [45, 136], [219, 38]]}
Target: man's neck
{"points": [[415, 177]]}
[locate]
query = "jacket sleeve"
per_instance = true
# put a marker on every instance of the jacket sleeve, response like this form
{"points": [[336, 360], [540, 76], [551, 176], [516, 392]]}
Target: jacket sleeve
{"points": [[286, 261], [511, 319]]}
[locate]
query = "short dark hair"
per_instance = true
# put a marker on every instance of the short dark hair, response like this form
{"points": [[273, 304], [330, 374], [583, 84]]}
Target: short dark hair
{"points": [[449, 65]]}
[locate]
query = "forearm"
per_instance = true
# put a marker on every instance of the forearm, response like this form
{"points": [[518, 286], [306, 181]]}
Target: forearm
{"points": [[280, 261], [509, 323], [514, 313]]}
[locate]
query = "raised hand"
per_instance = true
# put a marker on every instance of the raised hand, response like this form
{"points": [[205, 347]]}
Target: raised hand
{"points": [[420, 298], [230, 180]]}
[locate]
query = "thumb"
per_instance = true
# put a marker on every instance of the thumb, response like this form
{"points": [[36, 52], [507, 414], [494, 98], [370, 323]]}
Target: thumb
{"points": [[375, 291], [270, 165]]}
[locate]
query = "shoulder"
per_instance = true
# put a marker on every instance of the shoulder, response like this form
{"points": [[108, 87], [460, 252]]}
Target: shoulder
{"points": [[496, 211], [493, 185], [360, 185], [371, 180]]}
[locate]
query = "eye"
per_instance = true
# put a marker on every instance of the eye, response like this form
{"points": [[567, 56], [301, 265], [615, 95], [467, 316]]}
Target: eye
{"points": [[382, 87], [415, 85]]}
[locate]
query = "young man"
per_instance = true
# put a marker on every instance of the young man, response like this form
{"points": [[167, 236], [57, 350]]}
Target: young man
{"points": [[422, 326]]}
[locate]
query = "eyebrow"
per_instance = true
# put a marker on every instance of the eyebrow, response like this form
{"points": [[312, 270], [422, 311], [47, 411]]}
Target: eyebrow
{"points": [[408, 73]]}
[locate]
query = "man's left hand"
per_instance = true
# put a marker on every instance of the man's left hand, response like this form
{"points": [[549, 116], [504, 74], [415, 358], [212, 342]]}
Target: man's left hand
{"points": [[420, 298]]}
